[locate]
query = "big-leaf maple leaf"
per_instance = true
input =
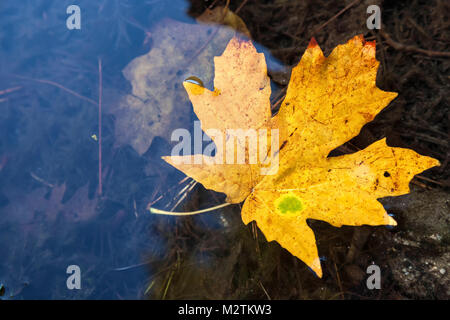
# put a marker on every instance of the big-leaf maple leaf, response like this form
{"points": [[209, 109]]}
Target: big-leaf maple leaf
{"points": [[327, 102]]}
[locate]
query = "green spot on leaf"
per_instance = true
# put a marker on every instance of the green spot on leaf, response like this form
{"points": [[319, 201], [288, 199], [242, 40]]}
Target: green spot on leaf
{"points": [[289, 204]]}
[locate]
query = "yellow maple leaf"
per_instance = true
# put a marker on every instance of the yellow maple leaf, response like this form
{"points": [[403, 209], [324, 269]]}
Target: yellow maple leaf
{"points": [[327, 102], [241, 100]]}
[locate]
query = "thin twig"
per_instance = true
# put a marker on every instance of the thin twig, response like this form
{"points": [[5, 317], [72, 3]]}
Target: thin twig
{"points": [[55, 84], [165, 193], [265, 291], [212, 4], [280, 98], [100, 85], [168, 284], [334, 17], [420, 184], [131, 266], [408, 48], [241, 6], [9, 90], [37, 178], [213, 34], [430, 180], [191, 186]]}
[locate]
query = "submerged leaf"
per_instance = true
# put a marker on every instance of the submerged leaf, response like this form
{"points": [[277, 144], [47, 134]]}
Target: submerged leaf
{"points": [[158, 104]]}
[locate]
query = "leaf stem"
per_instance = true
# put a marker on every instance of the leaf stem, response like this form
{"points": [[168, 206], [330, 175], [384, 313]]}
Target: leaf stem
{"points": [[189, 213]]}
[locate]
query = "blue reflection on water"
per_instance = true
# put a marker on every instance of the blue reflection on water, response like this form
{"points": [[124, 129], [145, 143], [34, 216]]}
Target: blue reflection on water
{"points": [[50, 214]]}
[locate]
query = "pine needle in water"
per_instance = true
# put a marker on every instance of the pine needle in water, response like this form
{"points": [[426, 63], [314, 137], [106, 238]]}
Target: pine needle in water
{"points": [[188, 213]]}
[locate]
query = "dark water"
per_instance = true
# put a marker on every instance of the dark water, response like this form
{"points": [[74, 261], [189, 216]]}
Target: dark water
{"points": [[51, 213]]}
